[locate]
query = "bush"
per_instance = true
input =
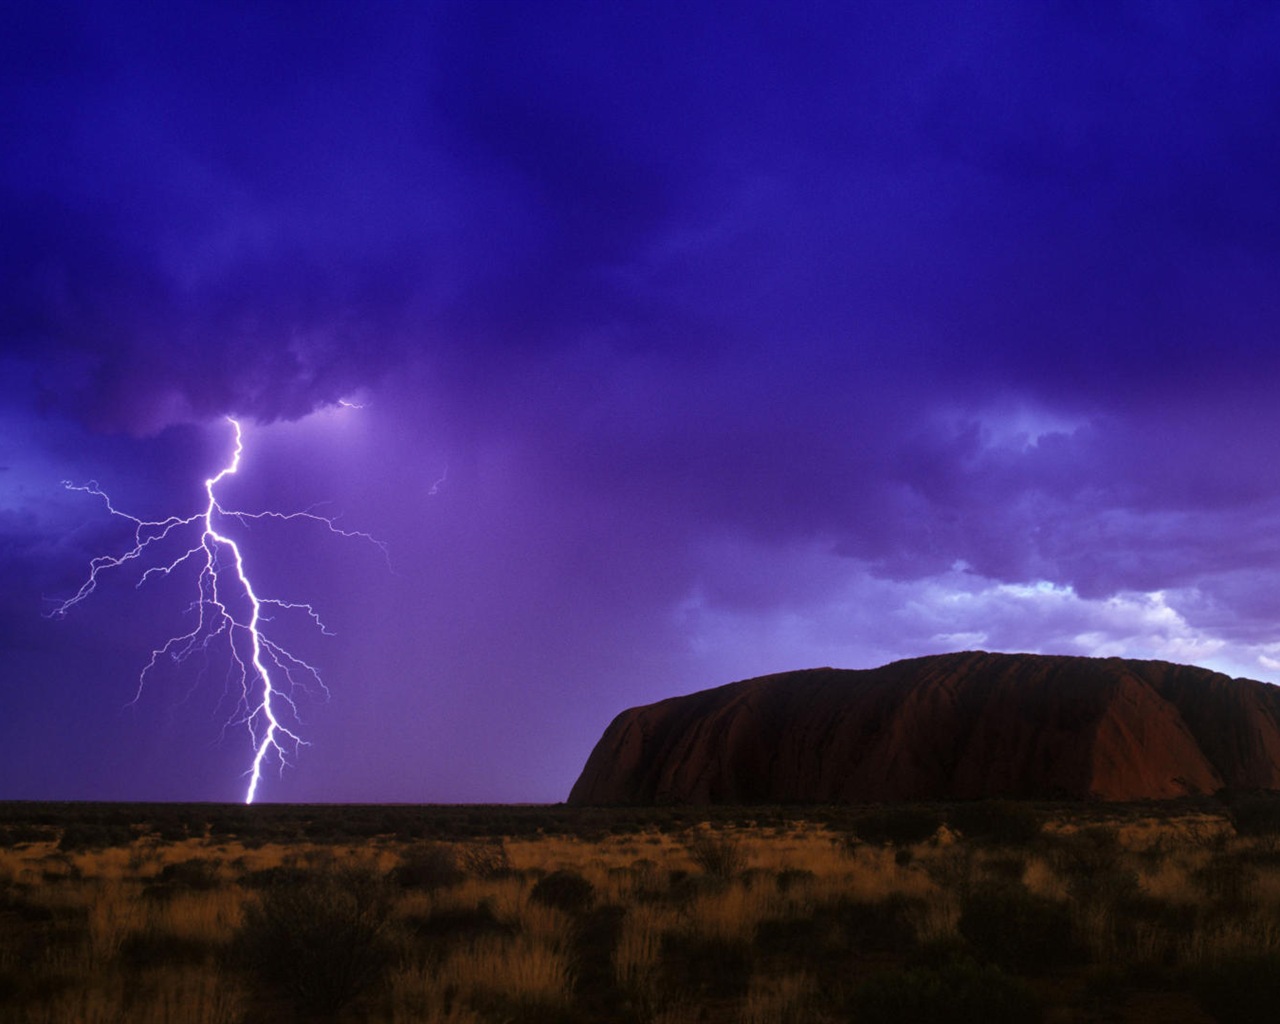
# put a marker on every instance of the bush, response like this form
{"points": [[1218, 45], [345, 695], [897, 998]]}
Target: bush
{"points": [[197, 873], [320, 942], [789, 878], [486, 860], [961, 992], [1243, 990], [1091, 860], [430, 866], [899, 826], [882, 924], [275, 877], [705, 966], [1000, 822], [16, 835], [1256, 816], [1228, 881], [1008, 867], [83, 836], [718, 856], [1017, 930], [1096, 848], [565, 890], [448, 927], [801, 938]]}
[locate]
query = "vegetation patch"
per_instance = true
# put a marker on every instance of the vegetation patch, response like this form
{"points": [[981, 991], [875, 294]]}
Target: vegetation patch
{"points": [[664, 916], [321, 942], [961, 992]]}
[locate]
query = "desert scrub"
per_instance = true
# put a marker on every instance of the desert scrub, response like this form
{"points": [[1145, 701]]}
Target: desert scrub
{"points": [[190, 996], [871, 873], [320, 942], [1257, 817], [565, 890], [1017, 930], [510, 978], [997, 822], [156, 930], [429, 866], [780, 999], [701, 966], [903, 825], [414, 994], [485, 860], [960, 992], [638, 952], [1227, 880], [1244, 989], [717, 855]]}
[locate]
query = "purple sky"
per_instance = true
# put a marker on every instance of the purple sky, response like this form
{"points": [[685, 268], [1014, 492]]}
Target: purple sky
{"points": [[694, 342]]}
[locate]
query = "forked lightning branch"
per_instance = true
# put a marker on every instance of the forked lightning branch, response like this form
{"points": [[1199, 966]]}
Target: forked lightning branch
{"points": [[228, 611]]}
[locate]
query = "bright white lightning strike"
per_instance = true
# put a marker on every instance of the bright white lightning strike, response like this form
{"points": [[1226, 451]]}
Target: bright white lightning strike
{"points": [[227, 609]]}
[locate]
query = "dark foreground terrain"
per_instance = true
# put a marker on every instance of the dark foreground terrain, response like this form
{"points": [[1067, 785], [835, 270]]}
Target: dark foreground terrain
{"points": [[985, 911]]}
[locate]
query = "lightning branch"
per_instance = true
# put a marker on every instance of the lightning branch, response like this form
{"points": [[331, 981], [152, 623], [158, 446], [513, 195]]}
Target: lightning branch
{"points": [[228, 610]]}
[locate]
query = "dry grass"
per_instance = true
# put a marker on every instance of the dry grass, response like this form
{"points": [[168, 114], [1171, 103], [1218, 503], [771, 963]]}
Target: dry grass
{"points": [[638, 953], [780, 998], [183, 994], [523, 970], [778, 931]]}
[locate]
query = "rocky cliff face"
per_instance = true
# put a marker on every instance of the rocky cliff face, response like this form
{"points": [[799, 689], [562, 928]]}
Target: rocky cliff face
{"points": [[953, 726]]}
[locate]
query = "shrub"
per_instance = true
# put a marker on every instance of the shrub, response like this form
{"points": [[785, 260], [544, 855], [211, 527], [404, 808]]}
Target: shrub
{"points": [[448, 927], [882, 924], [170, 829], [486, 860], [1243, 990], [1256, 816], [16, 835], [1091, 862], [1007, 867], [1096, 848], [197, 873], [1226, 880], [1000, 822], [1106, 886], [799, 937], [899, 826], [1016, 929], [156, 950], [565, 890], [594, 944], [717, 855], [788, 878], [429, 866], [320, 942], [952, 870], [275, 877], [961, 992], [707, 966], [81, 836]]}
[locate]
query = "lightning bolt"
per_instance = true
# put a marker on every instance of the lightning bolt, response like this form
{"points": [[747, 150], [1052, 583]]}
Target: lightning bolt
{"points": [[228, 610]]}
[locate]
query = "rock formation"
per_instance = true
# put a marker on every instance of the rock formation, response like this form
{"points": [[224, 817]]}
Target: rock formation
{"points": [[952, 726]]}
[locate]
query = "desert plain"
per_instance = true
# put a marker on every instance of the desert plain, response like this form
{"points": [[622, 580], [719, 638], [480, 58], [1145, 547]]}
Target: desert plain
{"points": [[993, 911]]}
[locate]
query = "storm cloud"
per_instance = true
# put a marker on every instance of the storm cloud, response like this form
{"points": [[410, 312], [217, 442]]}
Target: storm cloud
{"points": [[692, 343]]}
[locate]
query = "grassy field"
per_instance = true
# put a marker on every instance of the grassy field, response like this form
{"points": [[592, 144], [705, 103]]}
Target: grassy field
{"points": [[991, 912]]}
